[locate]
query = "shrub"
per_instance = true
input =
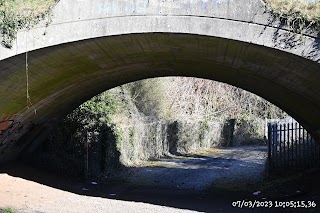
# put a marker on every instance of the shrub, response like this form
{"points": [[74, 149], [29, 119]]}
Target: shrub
{"points": [[150, 98], [21, 14], [298, 14], [7, 210]]}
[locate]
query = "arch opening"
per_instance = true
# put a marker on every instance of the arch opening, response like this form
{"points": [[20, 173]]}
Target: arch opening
{"points": [[64, 76], [166, 176]]}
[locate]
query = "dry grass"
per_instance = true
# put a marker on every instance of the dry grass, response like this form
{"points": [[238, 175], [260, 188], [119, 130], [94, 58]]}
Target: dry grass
{"points": [[200, 99], [298, 13]]}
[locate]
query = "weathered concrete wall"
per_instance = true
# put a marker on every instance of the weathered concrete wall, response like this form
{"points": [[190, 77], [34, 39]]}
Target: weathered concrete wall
{"points": [[244, 20], [226, 40]]}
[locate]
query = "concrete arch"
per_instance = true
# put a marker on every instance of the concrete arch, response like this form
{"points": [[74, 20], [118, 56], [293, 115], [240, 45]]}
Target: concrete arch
{"points": [[88, 50]]}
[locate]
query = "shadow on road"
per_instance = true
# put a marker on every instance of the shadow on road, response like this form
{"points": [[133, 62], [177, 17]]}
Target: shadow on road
{"points": [[146, 192], [194, 182]]}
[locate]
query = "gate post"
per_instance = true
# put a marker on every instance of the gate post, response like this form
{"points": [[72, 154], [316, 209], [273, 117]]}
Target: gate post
{"points": [[269, 146]]}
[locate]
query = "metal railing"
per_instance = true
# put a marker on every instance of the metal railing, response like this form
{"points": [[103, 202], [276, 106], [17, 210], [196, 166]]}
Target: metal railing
{"points": [[291, 147]]}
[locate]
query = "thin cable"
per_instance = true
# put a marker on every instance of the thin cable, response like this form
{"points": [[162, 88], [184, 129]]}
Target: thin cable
{"points": [[29, 102]]}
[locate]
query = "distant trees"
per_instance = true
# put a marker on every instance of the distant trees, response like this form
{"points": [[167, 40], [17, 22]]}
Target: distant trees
{"points": [[173, 97]]}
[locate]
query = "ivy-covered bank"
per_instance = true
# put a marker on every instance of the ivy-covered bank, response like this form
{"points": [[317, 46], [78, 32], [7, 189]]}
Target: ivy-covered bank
{"points": [[98, 139], [22, 14], [151, 119]]}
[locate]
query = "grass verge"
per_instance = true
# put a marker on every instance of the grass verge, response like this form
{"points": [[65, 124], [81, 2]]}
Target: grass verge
{"points": [[7, 210]]}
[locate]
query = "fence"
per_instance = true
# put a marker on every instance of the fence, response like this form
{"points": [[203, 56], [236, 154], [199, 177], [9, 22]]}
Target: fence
{"points": [[291, 148]]}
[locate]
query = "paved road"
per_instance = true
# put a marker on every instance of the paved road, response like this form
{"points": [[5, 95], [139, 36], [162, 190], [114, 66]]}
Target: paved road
{"points": [[207, 181], [241, 165], [203, 182]]}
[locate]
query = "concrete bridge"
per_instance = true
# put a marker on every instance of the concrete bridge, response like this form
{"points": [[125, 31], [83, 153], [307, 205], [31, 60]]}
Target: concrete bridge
{"points": [[94, 45]]}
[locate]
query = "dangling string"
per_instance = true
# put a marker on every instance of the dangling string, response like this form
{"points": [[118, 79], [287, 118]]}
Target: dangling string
{"points": [[29, 102]]}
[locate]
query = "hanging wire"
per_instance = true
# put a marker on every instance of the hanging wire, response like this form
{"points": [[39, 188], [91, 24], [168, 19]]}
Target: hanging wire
{"points": [[29, 102]]}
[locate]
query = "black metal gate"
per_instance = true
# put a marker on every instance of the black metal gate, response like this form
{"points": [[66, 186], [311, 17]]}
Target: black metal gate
{"points": [[291, 148]]}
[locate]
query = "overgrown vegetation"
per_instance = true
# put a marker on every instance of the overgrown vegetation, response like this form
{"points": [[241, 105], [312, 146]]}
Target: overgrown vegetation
{"points": [[7, 210], [22, 14], [150, 119], [196, 98], [84, 130], [150, 97], [297, 14]]}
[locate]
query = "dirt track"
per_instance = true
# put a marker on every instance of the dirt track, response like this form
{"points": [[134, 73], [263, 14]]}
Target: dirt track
{"points": [[207, 182], [28, 196]]}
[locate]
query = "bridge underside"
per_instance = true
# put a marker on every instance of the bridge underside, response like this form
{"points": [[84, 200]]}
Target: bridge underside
{"points": [[64, 76]]}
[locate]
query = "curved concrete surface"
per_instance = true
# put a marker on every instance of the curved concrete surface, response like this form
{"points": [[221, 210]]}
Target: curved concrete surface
{"points": [[94, 45]]}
